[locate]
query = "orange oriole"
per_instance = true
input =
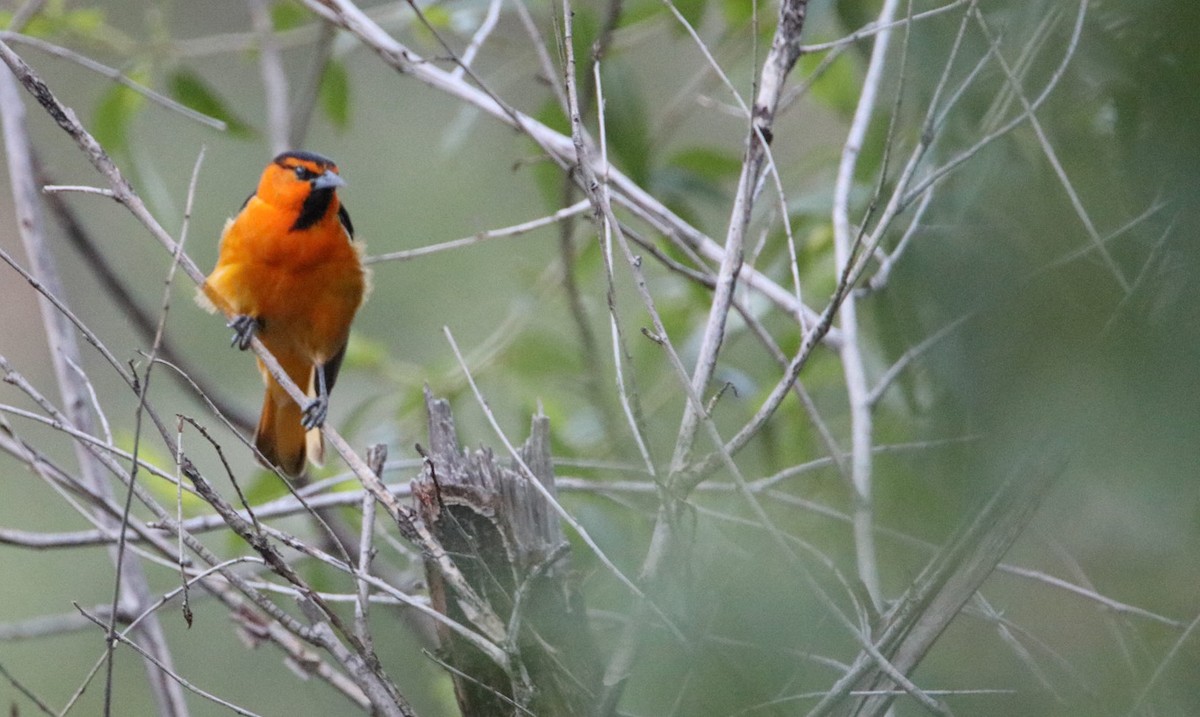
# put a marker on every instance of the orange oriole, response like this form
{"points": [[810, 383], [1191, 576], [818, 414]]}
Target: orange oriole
{"points": [[290, 273]]}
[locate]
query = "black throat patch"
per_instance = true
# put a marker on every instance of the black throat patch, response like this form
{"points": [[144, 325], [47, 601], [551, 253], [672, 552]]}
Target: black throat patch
{"points": [[313, 209]]}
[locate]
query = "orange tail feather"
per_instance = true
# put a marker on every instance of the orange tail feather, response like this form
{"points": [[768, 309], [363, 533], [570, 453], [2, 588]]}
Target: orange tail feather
{"points": [[280, 437]]}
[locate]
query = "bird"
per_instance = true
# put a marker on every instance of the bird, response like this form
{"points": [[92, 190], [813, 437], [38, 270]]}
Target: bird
{"points": [[290, 272]]}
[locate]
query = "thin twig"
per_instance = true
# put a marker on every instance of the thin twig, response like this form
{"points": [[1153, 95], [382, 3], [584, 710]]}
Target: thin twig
{"points": [[857, 388], [875, 27], [545, 492], [179, 679], [509, 231], [275, 85], [1052, 157], [490, 19], [64, 351], [116, 76], [626, 387], [627, 193], [310, 91], [785, 50]]}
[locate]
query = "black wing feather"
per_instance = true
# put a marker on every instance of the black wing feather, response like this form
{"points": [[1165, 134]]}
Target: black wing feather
{"points": [[344, 218], [330, 369]]}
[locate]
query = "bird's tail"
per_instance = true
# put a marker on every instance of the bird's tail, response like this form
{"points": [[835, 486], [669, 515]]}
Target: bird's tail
{"points": [[280, 437]]}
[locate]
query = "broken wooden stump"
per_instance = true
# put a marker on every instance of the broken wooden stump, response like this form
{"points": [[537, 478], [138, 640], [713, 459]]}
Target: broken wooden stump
{"points": [[506, 540]]}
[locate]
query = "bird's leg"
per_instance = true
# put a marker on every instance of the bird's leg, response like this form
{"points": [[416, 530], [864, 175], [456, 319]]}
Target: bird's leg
{"points": [[314, 412], [244, 328]]}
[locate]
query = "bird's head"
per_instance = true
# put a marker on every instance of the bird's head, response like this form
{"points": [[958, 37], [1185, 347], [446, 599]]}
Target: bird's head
{"points": [[303, 182]]}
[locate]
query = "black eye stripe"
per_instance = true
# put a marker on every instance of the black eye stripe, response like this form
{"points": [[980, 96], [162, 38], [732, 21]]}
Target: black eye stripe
{"points": [[304, 173]]}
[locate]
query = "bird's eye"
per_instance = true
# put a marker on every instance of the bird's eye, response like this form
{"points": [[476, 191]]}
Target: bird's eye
{"points": [[304, 174]]}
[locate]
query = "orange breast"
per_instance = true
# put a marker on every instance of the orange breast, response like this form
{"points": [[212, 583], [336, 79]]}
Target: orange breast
{"points": [[304, 286]]}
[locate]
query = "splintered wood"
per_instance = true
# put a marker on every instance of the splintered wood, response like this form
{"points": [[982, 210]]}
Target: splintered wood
{"points": [[506, 540]]}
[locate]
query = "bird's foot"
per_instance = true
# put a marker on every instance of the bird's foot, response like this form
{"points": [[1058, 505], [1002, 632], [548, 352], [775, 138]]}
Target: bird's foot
{"points": [[244, 328], [315, 412]]}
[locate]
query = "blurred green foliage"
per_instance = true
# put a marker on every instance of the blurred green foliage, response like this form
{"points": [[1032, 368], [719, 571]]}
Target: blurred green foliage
{"points": [[1037, 335]]}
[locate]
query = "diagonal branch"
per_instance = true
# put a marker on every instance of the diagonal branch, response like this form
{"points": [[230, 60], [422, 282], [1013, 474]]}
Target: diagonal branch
{"points": [[785, 50], [558, 146], [132, 584]]}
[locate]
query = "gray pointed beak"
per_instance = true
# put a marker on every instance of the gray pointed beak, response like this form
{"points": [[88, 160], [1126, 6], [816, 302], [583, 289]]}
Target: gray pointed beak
{"points": [[328, 180]]}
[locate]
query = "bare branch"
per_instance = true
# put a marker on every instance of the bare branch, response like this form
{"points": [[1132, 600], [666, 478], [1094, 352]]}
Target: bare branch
{"points": [[275, 85], [64, 351], [785, 50], [116, 76]]}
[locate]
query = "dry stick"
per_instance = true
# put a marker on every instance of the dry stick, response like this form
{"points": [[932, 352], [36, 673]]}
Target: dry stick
{"points": [[932, 122], [545, 492], [625, 652], [287, 506], [561, 148], [124, 193], [275, 88], [278, 630], [1192, 627], [772, 170], [549, 72], [490, 20], [874, 27], [984, 609], [116, 76], [64, 351], [1116, 625], [857, 389], [1052, 157], [473, 606], [60, 481], [913, 624], [24, 14], [734, 445], [143, 391], [785, 50], [954, 162], [376, 457], [589, 350], [623, 656], [289, 623], [1034, 43], [851, 273], [630, 403], [893, 372], [32, 696], [509, 231], [362, 664], [15, 378], [120, 637], [880, 278], [201, 576], [306, 103], [115, 286]]}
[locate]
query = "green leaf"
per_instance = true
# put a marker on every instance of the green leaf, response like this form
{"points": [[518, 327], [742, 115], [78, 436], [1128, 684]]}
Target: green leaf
{"points": [[53, 21], [438, 16], [627, 121], [288, 14], [737, 12], [707, 162], [114, 113], [190, 89], [838, 85], [85, 22], [334, 94]]}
